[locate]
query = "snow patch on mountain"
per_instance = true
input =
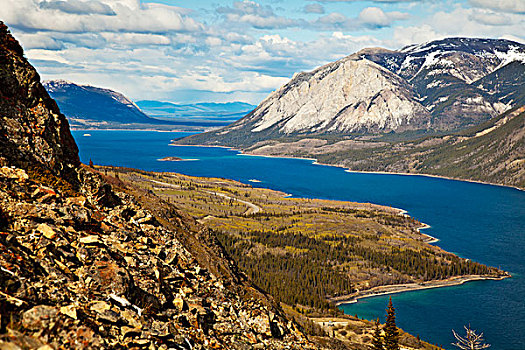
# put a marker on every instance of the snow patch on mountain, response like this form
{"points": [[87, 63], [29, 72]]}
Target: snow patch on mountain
{"points": [[513, 54]]}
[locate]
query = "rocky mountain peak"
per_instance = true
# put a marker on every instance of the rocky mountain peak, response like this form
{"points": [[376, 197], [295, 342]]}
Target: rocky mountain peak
{"points": [[348, 95], [33, 132]]}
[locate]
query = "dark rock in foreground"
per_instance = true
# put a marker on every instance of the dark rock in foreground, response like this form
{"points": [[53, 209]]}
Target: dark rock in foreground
{"points": [[33, 132]]}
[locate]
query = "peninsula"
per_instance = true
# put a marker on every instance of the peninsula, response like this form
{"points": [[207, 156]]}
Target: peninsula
{"points": [[310, 253]]}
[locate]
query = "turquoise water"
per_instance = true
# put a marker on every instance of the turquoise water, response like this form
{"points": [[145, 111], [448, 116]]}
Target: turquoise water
{"points": [[482, 222]]}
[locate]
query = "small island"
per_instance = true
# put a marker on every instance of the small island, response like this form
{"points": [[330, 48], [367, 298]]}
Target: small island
{"points": [[170, 159]]}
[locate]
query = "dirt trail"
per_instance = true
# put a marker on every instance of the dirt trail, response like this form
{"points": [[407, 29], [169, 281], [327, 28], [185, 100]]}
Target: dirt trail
{"points": [[252, 208]]}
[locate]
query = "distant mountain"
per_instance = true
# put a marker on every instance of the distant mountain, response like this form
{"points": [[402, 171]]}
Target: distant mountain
{"points": [[220, 113], [440, 86], [89, 106]]}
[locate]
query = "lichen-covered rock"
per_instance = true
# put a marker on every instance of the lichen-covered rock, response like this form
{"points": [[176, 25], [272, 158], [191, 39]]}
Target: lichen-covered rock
{"points": [[107, 281]]}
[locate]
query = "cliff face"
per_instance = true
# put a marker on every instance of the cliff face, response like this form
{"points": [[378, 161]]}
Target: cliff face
{"points": [[33, 132], [87, 261]]}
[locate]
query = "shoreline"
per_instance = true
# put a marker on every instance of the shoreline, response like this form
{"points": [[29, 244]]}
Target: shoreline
{"points": [[430, 175], [430, 239], [316, 162], [411, 287]]}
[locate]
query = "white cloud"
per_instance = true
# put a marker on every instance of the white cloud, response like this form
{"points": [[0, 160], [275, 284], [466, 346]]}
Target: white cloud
{"points": [[368, 18], [134, 39], [460, 21], [126, 16], [473, 22], [39, 41], [404, 36], [78, 7], [256, 15], [314, 8], [264, 17], [512, 6], [374, 16], [490, 18]]}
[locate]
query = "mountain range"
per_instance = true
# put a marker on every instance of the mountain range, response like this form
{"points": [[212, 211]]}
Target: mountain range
{"points": [[203, 113], [88, 106], [439, 86], [379, 98]]}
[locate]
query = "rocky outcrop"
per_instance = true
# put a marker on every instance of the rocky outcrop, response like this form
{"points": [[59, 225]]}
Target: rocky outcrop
{"points": [[347, 96], [434, 87], [33, 132]]}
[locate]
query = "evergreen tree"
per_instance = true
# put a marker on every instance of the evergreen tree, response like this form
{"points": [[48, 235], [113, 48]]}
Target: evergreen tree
{"points": [[377, 342], [391, 331]]}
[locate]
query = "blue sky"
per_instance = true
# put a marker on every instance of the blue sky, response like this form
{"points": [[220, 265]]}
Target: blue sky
{"points": [[234, 50]]}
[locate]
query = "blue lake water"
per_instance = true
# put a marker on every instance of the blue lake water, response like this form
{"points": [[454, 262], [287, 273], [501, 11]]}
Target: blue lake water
{"points": [[482, 222]]}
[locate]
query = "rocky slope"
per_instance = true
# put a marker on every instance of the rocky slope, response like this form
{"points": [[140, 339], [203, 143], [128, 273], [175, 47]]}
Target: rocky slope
{"points": [[439, 86], [90, 106], [492, 152], [86, 262]]}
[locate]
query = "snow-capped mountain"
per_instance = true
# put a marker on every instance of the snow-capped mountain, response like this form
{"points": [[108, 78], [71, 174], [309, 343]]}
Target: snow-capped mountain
{"points": [[437, 86], [444, 74]]}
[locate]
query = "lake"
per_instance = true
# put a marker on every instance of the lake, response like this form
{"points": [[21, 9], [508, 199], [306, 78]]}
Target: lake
{"points": [[481, 222]]}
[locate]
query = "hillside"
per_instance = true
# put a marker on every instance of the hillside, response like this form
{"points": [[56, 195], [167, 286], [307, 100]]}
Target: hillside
{"points": [[93, 107], [283, 243], [491, 152], [87, 262]]}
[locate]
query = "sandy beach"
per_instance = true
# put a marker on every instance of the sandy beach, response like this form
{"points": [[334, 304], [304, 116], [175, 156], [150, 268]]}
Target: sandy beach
{"points": [[410, 287]]}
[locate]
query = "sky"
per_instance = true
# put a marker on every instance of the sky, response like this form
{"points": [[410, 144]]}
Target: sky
{"points": [[231, 50]]}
